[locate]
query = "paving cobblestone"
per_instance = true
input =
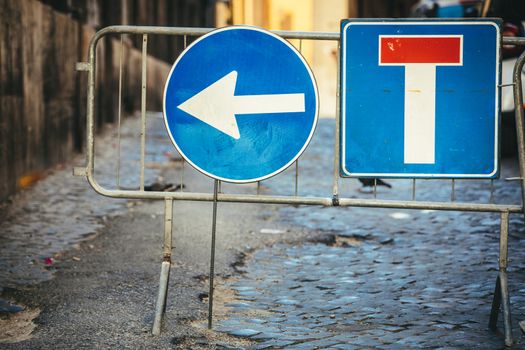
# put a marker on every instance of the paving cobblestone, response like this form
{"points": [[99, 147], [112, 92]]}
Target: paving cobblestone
{"points": [[385, 279], [454, 315]]}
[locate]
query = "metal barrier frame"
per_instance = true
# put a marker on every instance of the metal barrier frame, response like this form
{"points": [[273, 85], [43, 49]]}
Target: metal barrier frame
{"points": [[501, 295]]}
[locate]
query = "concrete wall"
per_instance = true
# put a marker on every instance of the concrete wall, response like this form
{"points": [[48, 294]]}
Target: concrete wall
{"points": [[43, 99]]}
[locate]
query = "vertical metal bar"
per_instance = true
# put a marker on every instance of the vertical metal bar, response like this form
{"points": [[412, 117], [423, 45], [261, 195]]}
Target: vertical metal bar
{"points": [[168, 228], [119, 118], [296, 177], [520, 122], [143, 109], [182, 176], [453, 192], [491, 198], [90, 110], [486, 7], [212, 254], [160, 308], [503, 240], [413, 189], [258, 187], [183, 162], [335, 180], [375, 188], [296, 191]]}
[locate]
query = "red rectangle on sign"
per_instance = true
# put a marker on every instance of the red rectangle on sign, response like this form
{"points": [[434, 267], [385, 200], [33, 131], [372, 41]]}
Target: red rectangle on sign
{"points": [[423, 49]]}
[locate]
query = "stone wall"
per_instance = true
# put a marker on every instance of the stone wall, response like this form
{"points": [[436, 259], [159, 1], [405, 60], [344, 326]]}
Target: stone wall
{"points": [[43, 98]]}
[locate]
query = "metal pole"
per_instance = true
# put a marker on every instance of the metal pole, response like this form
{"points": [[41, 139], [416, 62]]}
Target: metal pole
{"points": [[119, 108], [520, 123], [143, 109], [486, 7], [182, 163], [296, 177], [297, 160], [503, 242], [335, 180], [212, 254]]}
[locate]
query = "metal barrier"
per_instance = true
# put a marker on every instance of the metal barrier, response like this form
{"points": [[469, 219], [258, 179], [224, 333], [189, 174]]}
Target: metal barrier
{"points": [[501, 295]]}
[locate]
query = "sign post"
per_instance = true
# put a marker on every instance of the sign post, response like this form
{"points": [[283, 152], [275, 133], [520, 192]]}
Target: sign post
{"points": [[240, 105]]}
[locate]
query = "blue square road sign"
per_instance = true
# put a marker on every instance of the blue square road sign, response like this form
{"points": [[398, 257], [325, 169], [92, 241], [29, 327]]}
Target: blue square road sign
{"points": [[420, 98]]}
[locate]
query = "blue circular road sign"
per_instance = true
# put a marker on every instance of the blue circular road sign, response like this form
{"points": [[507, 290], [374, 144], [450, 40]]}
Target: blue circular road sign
{"points": [[240, 104]]}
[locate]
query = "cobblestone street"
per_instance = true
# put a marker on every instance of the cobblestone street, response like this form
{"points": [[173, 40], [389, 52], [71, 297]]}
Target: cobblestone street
{"points": [[262, 174], [381, 278], [303, 277], [374, 293]]}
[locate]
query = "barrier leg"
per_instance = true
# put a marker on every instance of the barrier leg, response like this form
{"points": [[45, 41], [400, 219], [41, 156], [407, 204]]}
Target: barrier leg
{"points": [[167, 284], [160, 308], [212, 254], [161, 299], [496, 304], [501, 291], [505, 300]]}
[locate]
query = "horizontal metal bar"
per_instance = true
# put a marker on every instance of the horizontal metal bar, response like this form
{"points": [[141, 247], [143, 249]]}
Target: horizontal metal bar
{"points": [[288, 34], [123, 29], [79, 171], [320, 201], [82, 66], [447, 206], [513, 40]]}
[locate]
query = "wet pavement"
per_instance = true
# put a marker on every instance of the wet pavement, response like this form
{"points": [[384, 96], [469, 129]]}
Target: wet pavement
{"points": [[380, 278], [310, 277], [56, 214]]}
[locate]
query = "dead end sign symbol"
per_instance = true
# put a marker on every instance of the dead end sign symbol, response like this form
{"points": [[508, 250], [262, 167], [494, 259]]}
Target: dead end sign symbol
{"points": [[420, 55]]}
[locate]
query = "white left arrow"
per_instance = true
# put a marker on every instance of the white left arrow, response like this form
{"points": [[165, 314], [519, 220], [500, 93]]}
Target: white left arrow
{"points": [[217, 105]]}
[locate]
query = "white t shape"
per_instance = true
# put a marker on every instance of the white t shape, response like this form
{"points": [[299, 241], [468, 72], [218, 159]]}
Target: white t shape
{"points": [[420, 55], [420, 113]]}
